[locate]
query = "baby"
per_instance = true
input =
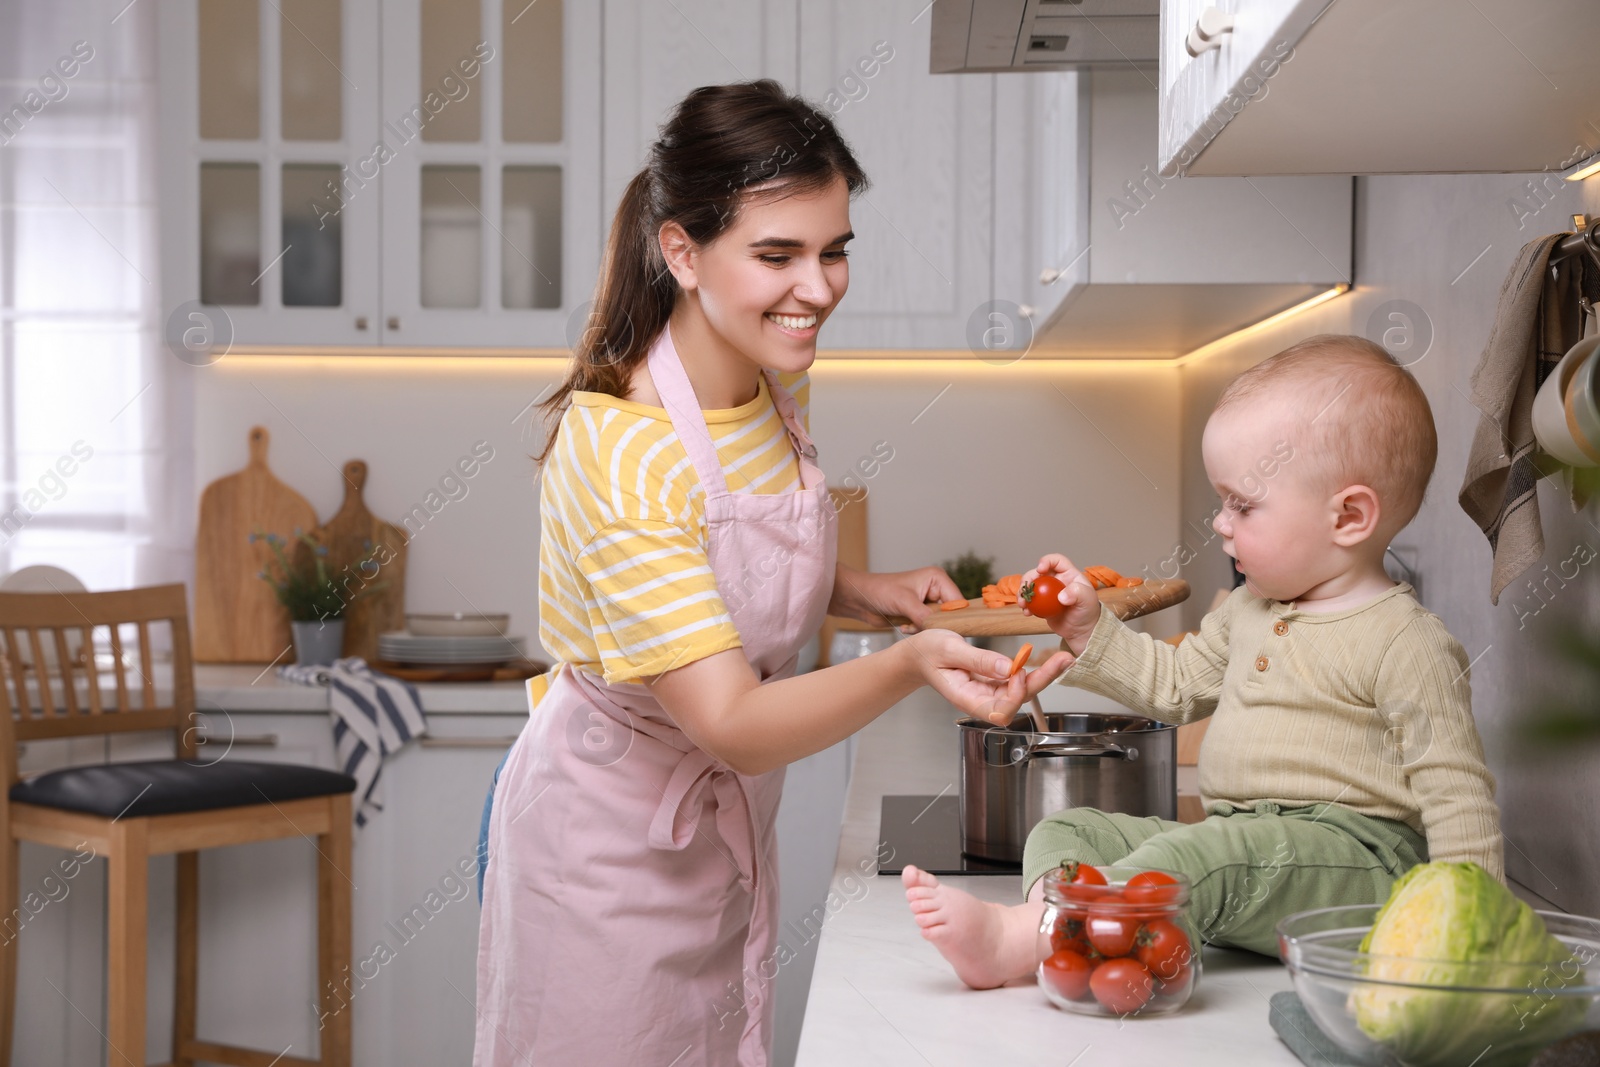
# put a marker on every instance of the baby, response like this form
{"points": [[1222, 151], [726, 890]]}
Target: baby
{"points": [[1341, 749]]}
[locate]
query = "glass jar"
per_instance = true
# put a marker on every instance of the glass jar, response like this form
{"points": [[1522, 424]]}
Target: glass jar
{"points": [[1123, 948]]}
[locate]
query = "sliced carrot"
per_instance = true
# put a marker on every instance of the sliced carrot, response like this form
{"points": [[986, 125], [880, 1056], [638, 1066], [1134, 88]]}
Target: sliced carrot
{"points": [[1128, 583], [952, 605], [1010, 584], [1022, 657]]}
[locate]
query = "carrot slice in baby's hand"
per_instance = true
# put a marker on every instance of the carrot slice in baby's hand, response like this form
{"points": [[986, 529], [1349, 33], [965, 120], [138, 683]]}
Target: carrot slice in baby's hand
{"points": [[1022, 657], [952, 605]]}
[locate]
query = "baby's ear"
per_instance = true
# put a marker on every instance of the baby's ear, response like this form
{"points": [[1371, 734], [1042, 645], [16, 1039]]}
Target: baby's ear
{"points": [[1358, 512]]}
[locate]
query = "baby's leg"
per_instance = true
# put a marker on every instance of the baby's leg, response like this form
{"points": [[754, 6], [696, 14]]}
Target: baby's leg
{"points": [[1250, 869], [991, 944], [987, 944]]}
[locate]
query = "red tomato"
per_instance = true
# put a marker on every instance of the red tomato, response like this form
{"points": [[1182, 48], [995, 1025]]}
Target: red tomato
{"points": [[1112, 935], [1164, 948], [1068, 933], [1042, 596], [1151, 887], [1066, 973], [1122, 986], [1075, 873]]}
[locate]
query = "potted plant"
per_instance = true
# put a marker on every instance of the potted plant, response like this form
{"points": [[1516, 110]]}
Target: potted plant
{"points": [[971, 572], [314, 598]]}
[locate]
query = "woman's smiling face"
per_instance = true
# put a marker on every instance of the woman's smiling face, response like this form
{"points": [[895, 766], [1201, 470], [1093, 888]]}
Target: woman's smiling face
{"points": [[771, 280]]}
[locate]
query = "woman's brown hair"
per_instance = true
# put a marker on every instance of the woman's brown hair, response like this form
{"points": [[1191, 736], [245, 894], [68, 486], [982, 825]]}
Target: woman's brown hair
{"points": [[725, 145]]}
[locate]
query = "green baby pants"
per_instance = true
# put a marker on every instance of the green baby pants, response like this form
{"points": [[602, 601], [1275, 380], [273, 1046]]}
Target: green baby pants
{"points": [[1247, 870]]}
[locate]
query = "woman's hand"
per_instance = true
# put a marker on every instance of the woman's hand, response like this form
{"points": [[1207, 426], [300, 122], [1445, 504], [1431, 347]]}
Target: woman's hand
{"points": [[874, 598], [975, 680], [1075, 624]]}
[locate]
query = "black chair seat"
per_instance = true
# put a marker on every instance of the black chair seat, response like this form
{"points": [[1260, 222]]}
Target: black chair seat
{"points": [[167, 787]]}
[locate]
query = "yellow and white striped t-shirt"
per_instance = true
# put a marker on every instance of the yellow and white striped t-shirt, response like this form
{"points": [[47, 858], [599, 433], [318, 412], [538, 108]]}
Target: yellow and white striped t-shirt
{"points": [[625, 587]]}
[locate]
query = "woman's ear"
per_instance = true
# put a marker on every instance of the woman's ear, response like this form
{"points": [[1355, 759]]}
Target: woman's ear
{"points": [[678, 250], [1356, 514]]}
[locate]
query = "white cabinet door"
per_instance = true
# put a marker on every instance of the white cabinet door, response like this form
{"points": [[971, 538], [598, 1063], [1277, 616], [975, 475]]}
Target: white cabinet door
{"points": [[808, 843], [269, 186], [416, 905], [920, 271], [1201, 94], [656, 51], [490, 204], [60, 934], [1041, 203]]}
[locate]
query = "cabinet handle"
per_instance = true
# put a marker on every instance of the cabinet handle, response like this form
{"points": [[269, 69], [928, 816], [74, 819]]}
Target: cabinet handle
{"points": [[361, 322], [1208, 31], [468, 742], [394, 322]]}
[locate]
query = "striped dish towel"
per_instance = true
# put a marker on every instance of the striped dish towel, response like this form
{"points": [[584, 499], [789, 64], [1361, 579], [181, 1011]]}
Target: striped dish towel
{"points": [[373, 715]]}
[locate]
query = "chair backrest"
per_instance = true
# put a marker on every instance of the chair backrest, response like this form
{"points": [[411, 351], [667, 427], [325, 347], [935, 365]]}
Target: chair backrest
{"points": [[51, 678]]}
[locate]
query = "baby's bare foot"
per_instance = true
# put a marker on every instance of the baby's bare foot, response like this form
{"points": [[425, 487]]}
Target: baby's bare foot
{"points": [[987, 944]]}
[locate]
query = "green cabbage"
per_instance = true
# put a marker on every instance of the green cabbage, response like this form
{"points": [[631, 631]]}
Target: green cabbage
{"points": [[1454, 925]]}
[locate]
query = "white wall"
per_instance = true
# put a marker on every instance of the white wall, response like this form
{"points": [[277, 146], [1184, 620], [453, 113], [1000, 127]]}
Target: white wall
{"points": [[1415, 239], [1001, 462]]}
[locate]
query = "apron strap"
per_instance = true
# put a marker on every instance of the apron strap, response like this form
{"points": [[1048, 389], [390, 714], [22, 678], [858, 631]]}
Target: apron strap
{"points": [[683, 408]]}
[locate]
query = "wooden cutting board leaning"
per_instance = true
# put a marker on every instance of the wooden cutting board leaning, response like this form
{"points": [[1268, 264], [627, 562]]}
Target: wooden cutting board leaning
{"points": [[237, 617], [351, 536]]}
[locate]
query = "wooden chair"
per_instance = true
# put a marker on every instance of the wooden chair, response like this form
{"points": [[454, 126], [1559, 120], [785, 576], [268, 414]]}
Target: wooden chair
{"points": [[128, 812]]}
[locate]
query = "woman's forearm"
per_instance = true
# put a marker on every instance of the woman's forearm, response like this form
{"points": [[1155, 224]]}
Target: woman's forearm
{"points": [[781, 722], [754, 728]]}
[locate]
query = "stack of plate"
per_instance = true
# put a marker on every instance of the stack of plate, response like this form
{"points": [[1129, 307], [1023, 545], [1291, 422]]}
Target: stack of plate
{"points": [[402, 646]]}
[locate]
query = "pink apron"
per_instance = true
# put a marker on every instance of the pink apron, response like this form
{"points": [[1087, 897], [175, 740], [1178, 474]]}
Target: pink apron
{"points": [[629, 907]]}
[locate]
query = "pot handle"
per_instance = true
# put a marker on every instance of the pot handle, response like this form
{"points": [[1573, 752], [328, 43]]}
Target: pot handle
{"points": [[1106, 748]]}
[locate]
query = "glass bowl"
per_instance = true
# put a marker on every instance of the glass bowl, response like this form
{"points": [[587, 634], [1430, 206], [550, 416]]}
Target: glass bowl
{"points": [[1391, 1010], [1103, 953]]}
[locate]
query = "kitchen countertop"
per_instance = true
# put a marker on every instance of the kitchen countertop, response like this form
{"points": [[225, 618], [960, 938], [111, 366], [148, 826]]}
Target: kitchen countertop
{"points": [[253, 688], [881, 995]]}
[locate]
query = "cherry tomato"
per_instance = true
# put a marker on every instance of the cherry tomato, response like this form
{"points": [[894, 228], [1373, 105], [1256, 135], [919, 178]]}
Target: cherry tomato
{"points": [[1164, 949], [1066, 973], [1042, 596], [1076, 873], [1068, 933], [1151, 887], [1122, 985], [1112, 935]]}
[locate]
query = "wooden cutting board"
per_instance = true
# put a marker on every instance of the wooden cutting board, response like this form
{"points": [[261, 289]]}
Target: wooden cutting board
{"points": [[976, 620], [350, 536], [237, 617]]}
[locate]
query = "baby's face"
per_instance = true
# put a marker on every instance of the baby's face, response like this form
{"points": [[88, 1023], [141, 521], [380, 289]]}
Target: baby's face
{"points": [[1273, 520]]}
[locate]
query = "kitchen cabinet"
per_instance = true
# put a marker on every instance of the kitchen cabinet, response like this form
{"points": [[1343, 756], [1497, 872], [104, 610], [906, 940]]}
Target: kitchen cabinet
{"points": [[1164, 265], [314, 193], [656, 51], [924, 237], [1372, 87], [920, 275], [415, 922]]}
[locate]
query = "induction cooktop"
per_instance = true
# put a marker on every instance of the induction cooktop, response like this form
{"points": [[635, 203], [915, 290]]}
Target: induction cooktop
{"points": [[925, 831]]}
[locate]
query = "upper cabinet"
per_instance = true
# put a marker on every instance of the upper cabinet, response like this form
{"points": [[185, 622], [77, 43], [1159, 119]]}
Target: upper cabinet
{"points": [[443, 197], [921, 262], [1153, 267], [1254, 87]]}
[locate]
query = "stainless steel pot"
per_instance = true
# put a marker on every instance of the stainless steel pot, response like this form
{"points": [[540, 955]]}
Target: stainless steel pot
{"points": [[1012, 778]]}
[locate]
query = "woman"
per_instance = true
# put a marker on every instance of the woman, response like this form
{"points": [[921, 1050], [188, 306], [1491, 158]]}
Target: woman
{"points": [[687, 553]]}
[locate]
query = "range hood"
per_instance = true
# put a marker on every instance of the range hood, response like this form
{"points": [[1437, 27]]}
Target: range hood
{"points": [[1009, 35]]}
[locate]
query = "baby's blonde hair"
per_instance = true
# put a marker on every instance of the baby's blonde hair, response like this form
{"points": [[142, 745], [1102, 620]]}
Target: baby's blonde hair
{"points": [[1361, 418]]}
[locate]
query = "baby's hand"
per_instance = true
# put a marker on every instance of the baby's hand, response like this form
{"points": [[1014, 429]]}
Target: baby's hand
{"points": [[1082, 603]]}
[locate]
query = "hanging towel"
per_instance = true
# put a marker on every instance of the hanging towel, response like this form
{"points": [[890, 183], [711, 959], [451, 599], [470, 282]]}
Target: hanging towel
{"points": [[373, 716], [1536, 321]]}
